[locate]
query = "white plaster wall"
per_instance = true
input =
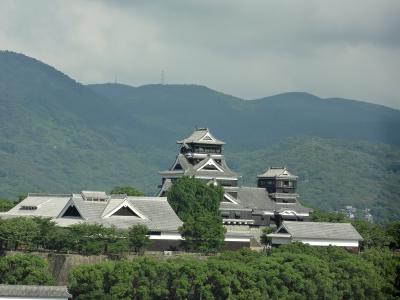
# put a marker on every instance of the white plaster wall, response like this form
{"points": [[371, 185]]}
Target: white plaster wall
{"points": [[281, 241], [327, 242]]}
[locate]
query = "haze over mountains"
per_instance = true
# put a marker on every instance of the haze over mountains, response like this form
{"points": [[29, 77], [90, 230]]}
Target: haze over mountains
{"points": [[57, 135]]}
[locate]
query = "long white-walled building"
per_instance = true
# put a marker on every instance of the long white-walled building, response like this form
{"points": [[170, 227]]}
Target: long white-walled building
{"points": [[317, 234]]}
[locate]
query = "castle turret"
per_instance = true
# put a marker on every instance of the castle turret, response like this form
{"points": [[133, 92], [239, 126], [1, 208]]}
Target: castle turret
{"points": [[201, 155], [280, 184]]}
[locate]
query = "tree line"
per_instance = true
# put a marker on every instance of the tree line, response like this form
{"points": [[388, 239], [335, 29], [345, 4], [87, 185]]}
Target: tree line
{"points": [[294, 271], [42, 234]]}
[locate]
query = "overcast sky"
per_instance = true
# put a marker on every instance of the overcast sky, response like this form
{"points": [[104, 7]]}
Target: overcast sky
{"points": [[250, 49]]}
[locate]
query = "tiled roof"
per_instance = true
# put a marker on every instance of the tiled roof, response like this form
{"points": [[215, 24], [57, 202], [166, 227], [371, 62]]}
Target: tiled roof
{"points": [[190, 170], [94, 194], [257, 199], [322, 230], [39, 291], [277, 172], [46, 206], [198, 136], [158, 214]]}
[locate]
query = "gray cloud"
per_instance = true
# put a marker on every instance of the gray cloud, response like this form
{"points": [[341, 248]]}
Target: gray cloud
{"points": [[249, 49]]}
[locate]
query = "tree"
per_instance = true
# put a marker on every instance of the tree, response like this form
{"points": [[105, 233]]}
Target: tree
{"points": [[192, 197], [205, 233], [264, 239], [45, 227], [59, 239], [374, 235], [18, 231], [128, 190], [116, 241], [137, 237], [6, 205], [323, 216], [393, 230], [89, 282], [24, 269], [88, 238]]}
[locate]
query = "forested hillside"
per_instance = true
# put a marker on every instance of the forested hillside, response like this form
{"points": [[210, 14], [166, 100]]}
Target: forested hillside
{"points": [[57, 135], [333, 173]]}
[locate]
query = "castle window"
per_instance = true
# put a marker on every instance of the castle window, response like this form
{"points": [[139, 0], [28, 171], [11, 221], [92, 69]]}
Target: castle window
{"points": [[178, 167], [72, 212], [210, 168], [126, 212]]}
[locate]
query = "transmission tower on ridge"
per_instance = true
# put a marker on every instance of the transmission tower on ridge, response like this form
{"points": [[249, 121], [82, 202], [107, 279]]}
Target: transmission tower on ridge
{"points": [[162, 77]]}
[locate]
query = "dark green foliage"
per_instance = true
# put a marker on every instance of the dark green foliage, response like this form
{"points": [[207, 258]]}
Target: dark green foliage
{"points": [[38, 233], [387, 264], [24, 269], [60, 239], [333, 173], [324, 216], [128, 190], [393, 230], [264, 239], [197, 204], [137, 237], [190, 197], [96, 239], [291, 272], [19, 232], [204, 233], [6, 205], [374, 235]]}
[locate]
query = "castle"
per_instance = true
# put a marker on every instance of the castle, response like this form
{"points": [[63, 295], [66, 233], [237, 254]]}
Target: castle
{"points": [[271, 202], [245, 211]]}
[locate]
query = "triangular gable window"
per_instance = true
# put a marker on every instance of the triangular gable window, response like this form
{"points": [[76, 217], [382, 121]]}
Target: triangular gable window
{"points": [[126, 212], [211, 165], [229, 198], [72, 212], [178, 167], [207, 137]]}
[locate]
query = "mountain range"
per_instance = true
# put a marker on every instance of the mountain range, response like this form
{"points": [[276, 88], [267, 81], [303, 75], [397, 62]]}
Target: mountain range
{"points": [[57, 135]]}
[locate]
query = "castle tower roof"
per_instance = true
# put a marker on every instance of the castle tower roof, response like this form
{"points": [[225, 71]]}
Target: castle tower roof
{"points": [[277, 172], [201, 136]]}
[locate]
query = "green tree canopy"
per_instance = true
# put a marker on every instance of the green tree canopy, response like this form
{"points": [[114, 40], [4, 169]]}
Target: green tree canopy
{"points": [[128, 190], [323, 216], [6, 205], [137, 237], [393, 230], [19, 231], [294, 271], [190, 197], [374, 235], [24, 269], [204, 233]]}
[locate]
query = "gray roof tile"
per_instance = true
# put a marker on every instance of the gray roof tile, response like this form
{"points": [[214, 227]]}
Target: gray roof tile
{"points": [[277, 172], [157, 212], [7, 290], [198, 135], [257, 199], [342, 231]]}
